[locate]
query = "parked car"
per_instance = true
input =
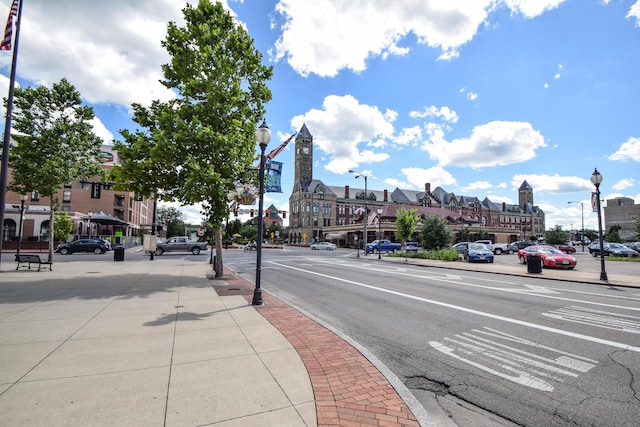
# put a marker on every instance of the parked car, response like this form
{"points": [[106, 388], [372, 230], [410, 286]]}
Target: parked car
{"points": [[633, 245], [615, 249], [180, 244], [327, 246], [550, 255], [461, 247], [477, 252], [97, 246], [567, 249], [522, 244]]}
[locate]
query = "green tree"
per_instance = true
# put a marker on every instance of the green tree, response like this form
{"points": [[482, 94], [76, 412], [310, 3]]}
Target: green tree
{"points": [[590, 234], [435, 234], [193, 149], [406, 220], [173, 218], [614, 234], [64, 225], [55, 143], [556, 236]]}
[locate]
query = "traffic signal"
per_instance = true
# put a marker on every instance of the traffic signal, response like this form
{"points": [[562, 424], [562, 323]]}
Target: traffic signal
{"points": [[284, 214], [235, 212], [251, 213], [267, 213]]}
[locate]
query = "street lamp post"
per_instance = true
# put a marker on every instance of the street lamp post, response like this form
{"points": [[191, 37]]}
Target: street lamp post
{"points": [[596, 179], [263, 134], [23, 198], [582, 230], [366, 213], [379, 237]]}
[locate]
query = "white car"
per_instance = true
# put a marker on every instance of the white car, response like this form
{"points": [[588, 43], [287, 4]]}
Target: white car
{"points": [[328, 246]]}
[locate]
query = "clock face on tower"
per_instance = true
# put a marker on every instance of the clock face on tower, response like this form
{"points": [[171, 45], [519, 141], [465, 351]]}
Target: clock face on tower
{"points": [[305, 150]]}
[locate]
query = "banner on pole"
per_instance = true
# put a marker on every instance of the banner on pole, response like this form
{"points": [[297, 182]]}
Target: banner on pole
{"points": [[274, 172], [594, 201]]}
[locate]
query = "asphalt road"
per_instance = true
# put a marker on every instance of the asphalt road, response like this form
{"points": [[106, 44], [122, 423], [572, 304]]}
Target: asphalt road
{"points": [[532, 351]]}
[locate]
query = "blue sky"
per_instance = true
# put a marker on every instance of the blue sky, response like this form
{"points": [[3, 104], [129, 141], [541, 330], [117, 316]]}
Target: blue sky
{"points": [[473, 96]]}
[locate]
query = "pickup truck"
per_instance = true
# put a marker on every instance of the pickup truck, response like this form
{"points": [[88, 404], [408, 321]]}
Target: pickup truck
{"points": [[496, 248], [383, 245], [180, 244]]}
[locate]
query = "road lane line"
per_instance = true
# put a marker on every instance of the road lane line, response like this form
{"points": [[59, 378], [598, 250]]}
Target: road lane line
{"points": [[473, 311]]}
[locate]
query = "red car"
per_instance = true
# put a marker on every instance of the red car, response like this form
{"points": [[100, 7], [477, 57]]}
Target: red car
{"points": [[550, 255], [567, 249]]}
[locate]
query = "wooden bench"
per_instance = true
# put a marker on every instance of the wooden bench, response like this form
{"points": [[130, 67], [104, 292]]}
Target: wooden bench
{"points": [[32, 259]]}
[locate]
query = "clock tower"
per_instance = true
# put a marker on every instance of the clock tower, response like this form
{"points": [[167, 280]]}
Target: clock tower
{"points": [[303, 173]]}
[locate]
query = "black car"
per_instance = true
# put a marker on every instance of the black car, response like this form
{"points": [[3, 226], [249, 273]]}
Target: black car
{"points": [[97, 246], [614, 249]]}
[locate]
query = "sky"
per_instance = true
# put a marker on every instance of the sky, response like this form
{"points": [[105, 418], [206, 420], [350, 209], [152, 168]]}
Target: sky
{"points": [[474, 96]]}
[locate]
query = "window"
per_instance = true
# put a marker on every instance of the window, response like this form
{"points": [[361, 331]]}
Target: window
{"points": [[35, 195], [452, 206], [66, 196]]}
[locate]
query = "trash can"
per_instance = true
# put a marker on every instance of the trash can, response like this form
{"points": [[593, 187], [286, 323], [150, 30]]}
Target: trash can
{"points": [[534, 264], [118, 253]]}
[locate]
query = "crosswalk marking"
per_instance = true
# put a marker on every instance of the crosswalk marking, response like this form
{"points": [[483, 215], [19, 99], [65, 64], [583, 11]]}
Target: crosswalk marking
{"points": [[598, 318], [513, 358]]}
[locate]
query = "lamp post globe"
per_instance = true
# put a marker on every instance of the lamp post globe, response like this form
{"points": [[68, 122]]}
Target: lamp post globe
{"points": [[263, 135], [596, 180]]}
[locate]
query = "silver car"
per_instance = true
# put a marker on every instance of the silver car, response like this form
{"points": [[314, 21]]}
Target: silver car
{"points": [[327, 246]]}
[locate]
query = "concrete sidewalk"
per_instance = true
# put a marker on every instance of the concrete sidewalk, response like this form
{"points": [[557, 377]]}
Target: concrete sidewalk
{"points": [[142, 343], [161, 344]]}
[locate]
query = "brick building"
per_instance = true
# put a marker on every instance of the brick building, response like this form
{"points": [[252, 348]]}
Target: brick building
{"points": [[323, 212], [81, 200]]}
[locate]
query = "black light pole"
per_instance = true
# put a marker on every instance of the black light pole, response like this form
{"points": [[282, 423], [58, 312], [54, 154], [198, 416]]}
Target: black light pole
{"points": [[153, 225], [23, 198], [366, 213], [263, 135], [582, 230], [596, 179]]}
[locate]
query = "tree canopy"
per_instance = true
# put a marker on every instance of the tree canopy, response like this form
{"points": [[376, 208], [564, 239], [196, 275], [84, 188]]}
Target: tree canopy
{"points": [[406, 220], [55, 143], [194, 148], [434, 233]]}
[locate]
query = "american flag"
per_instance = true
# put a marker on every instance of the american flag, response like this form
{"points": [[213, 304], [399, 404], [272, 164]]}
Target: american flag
{"points": [[8, 29], [279, 148]]}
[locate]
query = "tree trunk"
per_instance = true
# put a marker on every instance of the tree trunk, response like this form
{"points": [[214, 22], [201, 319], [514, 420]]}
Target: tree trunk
{"points": [[218, 259], [51, 241]]}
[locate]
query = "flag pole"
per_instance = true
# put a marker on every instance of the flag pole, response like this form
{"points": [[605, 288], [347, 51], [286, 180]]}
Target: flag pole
{"points": [[4, 172]]}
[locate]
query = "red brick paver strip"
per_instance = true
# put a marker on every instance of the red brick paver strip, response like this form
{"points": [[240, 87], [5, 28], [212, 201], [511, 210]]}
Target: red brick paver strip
{"points": [[349, 390]]}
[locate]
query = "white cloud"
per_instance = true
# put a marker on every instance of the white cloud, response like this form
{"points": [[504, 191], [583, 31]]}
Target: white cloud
{"points": [[101, 131], [630, 150], [624, 184], [444, 113], [341, 125], [334, 35], [634, 13], [409, 136], [532, 8], [119, 62], [478, 185], [554, 183], [472, 96], [436, 176], [497, 143]]}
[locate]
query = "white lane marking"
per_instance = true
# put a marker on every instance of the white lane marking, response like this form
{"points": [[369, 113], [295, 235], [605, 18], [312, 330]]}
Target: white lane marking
{"points": [[598, 318], [516, 291], [538, 289], [517, 365], [472, 311]]}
